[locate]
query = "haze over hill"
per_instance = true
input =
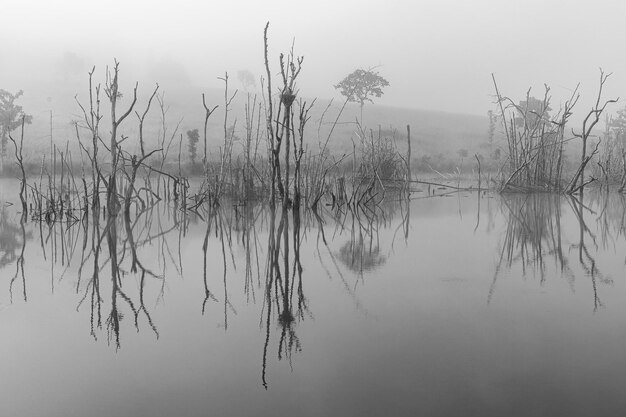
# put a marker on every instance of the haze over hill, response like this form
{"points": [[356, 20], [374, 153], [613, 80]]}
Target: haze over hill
{"points": [[437, 55], [433, 132]]}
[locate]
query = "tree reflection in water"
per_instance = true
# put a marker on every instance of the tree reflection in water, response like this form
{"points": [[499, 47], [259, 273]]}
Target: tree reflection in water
{"points": [[12, 238], [256, 250], [280, 284], [535, 234], [117, 244], [119, 281], [362, 252]]}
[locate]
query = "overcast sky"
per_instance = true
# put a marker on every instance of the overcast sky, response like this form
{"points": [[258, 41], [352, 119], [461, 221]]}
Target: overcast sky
{"points": [[436, 54]]}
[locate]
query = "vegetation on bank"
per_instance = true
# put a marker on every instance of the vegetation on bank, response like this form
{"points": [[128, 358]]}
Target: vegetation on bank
{"points": [[272, 149], [537, 140], [268, 156]]}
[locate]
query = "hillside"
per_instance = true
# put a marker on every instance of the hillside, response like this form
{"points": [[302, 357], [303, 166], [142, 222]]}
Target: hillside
{"points": [[434, 134]]}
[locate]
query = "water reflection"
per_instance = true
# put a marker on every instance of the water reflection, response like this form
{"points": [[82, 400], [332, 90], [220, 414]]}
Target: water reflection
{"points": [[533, 231], [362, 251], [112, 258], [258, 258], [540, 232], [355, 307], [12, 239], [283, 256]]}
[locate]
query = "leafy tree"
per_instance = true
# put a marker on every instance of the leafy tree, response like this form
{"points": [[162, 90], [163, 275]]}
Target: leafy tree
{"points": [[617, 125], [193, 137], [532, 111], [246, 78], [361, 85], [359, 255], [10, 119]]}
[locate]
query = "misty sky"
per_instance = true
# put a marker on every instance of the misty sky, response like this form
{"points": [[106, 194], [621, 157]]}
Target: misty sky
{"points": [[436, 54]]}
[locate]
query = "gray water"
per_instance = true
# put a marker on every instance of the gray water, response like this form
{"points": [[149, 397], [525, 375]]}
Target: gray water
{"points": [[464, 304]]}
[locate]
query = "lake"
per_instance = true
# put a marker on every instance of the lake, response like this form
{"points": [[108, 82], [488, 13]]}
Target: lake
{"points": [[453, 304]]}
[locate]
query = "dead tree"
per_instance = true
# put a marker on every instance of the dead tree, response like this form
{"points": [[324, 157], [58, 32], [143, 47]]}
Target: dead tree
{"points": [[593, 117], [273, 140], [112, 92], [281, 127], [20, 163], [535, 141], [251, 111], [142, 118], [298, 152], [207, 114], [228, 137], [289, 73], [92, 122]]}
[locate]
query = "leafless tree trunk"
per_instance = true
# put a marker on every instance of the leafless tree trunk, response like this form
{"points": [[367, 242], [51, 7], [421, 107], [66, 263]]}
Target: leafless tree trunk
{"points": [[112, 91], [593, 117], [208, 113], [20, 163], [228, 139], [142, 118]]}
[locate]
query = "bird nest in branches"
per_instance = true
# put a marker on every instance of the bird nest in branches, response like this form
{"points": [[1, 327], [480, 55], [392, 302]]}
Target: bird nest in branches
{"points": [[287, 97]]}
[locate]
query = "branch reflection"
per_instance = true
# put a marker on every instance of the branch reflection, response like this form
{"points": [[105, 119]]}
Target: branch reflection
{"points": [[537, 230]]}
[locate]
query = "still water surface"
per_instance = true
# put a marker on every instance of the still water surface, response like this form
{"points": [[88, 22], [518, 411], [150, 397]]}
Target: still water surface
{"points": [[465, 304]]}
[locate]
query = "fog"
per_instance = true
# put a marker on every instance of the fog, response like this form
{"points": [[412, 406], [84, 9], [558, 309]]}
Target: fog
{"points": [[212, 252], [436, 55]]}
